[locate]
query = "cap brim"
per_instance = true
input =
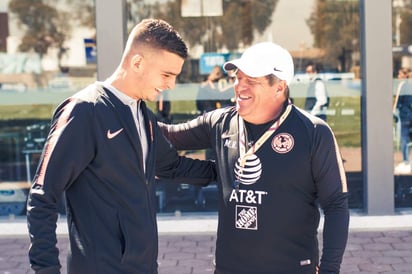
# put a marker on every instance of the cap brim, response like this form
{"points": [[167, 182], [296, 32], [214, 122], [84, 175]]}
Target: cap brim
{"points": [[231, 65]]}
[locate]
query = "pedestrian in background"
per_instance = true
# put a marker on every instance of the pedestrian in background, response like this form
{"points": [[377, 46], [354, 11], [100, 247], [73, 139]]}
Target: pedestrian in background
{"points": [[403, 105], [209, 94], [208, 91], [276, 164], [317, 98], [164, 108], [103, 151]]}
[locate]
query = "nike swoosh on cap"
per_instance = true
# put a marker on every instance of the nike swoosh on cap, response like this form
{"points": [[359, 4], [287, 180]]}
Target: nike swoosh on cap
{"points": [[111, 135]]}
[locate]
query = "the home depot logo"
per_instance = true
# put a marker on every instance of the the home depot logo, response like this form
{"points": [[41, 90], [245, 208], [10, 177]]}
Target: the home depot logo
{"points": [[246, 217]]}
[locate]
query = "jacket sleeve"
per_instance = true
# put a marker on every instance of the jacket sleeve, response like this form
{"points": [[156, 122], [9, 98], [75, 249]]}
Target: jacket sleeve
{"points": [[66, 152], [180, 168], [194, 134], [332, 192]]}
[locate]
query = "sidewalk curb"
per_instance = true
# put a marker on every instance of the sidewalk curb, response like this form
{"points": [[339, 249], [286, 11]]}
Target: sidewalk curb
{"points": [[192, 223]]}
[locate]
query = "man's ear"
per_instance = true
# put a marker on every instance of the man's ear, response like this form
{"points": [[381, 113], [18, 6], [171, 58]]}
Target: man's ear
{"points": [[136, 62], [281, 87]]}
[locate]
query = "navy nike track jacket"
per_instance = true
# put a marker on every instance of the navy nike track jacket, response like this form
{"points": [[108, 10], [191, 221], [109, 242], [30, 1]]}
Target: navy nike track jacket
{"points": [[93, 155]]}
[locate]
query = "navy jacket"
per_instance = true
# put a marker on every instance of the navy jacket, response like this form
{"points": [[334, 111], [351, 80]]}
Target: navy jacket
{"points": [[268, 210], [404, 104], [93, 155]]}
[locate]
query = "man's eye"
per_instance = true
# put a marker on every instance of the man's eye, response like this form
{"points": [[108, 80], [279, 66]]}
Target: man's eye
{"points": [[253, 83]]}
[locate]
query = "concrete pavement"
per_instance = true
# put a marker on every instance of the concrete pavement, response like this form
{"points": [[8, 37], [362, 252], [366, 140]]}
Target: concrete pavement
{"points": [[377, 244]]}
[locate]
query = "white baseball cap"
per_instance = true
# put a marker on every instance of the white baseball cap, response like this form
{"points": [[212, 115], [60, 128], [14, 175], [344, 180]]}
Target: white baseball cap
{"points": [[263, 59]]}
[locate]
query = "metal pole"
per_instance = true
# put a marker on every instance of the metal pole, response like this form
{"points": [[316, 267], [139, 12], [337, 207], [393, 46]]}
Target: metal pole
{"points": [[376, 102], [111, 35]]}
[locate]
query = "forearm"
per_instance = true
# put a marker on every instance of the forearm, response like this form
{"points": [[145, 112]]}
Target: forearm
{"points": [[174, 167], [191, 171], [335, 235], [42, 218], [188, 136]]}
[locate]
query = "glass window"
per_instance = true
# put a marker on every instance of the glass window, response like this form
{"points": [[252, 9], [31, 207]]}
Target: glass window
{"points": [[325, 33], [40, 66], [46, 54]]}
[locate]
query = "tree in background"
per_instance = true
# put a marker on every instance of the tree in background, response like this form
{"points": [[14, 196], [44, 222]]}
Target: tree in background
{"points": [[406, 23], [87, 16], [237, 27], [335, 26], [44, 26]]}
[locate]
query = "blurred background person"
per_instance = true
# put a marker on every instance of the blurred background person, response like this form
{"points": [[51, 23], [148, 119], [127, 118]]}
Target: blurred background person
{"points": [[403, 111], [227, 92], [317, 99], [163, 108], [209, 91]]}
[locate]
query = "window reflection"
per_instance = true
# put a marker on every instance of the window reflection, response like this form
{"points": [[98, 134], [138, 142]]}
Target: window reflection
{"points": [[47, 52], [323, 32], [57, 61]]}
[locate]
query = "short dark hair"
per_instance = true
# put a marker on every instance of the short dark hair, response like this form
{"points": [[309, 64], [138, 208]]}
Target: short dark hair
{"points": [[405, 71], [315, 66], [159, 34], [272, 80]]}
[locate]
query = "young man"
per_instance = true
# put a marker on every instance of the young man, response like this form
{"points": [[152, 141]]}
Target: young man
{"points": [[103, 151], [276, 164]]}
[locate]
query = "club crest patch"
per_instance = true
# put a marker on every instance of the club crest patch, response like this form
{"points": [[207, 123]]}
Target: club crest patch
{"points": [[283, 143]]}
